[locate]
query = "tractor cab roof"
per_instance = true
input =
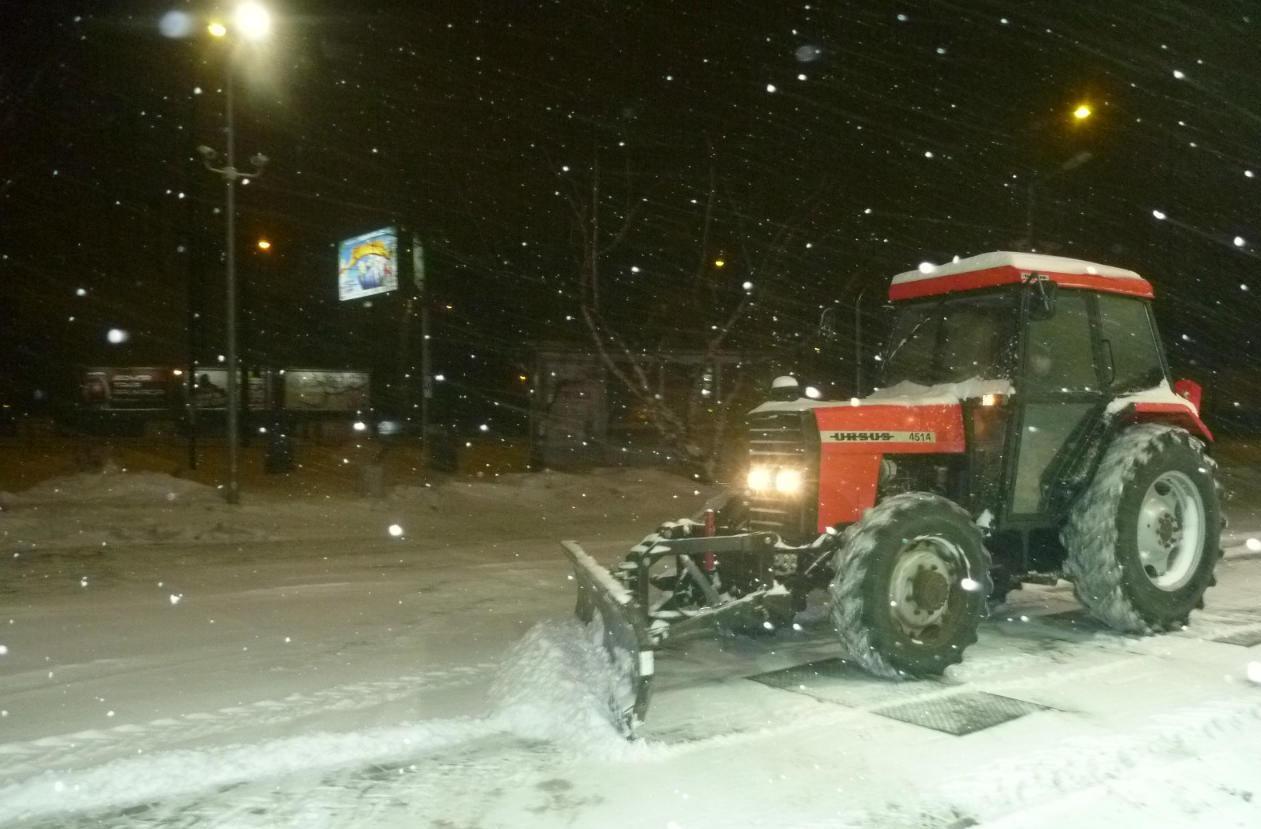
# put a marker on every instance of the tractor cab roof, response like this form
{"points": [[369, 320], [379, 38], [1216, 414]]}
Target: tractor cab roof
{"points": [[989, 270]]}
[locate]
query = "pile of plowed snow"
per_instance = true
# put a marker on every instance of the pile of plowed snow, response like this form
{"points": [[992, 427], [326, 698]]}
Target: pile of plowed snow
{"points": [[559, 487], [112, 485]]}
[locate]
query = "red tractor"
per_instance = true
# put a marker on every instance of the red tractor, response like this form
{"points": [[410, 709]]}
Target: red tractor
{"points": [[1025, 430]]}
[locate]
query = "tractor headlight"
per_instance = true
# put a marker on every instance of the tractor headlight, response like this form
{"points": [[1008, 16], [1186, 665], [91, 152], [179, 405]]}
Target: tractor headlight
{"points": [[761, 478], [778, 479], [788, 481]]}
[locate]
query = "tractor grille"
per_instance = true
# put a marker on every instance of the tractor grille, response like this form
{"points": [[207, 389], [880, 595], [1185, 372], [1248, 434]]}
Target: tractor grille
{"points": [[787, 439]]}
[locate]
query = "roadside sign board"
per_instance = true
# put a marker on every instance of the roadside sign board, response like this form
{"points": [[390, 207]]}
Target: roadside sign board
{"points": [[319, 390], [212, 389], [144, 388], [368, 264]]}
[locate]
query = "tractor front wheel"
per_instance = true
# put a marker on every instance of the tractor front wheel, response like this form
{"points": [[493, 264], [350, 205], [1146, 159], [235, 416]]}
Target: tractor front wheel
{"points": [[912, 578]]}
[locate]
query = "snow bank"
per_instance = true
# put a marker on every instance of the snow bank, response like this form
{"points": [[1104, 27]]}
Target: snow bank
{"points": [[112, 485], [557, 488]]}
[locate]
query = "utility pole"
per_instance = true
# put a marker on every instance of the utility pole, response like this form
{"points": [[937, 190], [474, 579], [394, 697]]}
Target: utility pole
{"points": [[1036, 180], [195, 275], [1031, 201], [426, 367], [230, 174], [229, 180], [858, 343]]}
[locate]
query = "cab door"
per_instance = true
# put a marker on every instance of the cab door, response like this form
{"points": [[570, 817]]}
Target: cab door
{"points": [[1059, 395]]}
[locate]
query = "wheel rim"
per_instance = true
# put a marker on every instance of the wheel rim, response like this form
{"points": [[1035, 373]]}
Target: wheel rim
{"points": [[925, 577], [1171, 531]]}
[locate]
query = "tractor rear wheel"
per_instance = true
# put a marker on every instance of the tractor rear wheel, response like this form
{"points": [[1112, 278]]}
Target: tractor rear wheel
{"points": [[1143, 539], [911, 583]]}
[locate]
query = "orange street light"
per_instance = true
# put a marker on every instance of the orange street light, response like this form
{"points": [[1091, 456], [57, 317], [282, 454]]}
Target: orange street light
{"points": [[263, 244], [1082, 112]]}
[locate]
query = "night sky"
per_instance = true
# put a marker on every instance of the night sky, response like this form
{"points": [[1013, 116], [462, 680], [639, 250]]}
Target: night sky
{"points": [[843, 142]]}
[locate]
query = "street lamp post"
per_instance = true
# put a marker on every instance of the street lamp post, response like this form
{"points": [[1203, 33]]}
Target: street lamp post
{"points": [[1079, 116], [252, 21], [1036, 180]]}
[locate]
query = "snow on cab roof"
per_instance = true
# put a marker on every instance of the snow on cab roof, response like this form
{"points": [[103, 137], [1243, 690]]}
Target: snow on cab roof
{"points": [[1005, 267]]}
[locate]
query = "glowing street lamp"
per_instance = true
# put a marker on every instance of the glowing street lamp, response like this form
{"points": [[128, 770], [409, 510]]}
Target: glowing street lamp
{"points": [[1082, 112], [264, 245], [252, 20], [217, 29]]}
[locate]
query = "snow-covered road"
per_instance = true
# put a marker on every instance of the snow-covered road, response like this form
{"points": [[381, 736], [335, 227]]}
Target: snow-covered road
{"points": [[167, 663]]}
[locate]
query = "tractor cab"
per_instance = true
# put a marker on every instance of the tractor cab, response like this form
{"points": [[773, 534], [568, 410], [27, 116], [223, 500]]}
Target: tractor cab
{"points": [[1042, 353]]}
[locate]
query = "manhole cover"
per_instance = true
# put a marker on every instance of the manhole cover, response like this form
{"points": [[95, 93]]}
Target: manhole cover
{"points": [[837, 681], [1079, 619], [960, 714], [809, 673], [1243, 638]]}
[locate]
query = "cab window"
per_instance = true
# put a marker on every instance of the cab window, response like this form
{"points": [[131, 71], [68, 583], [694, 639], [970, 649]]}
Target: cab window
{"points": [[1130, 339], [1060, 356]]}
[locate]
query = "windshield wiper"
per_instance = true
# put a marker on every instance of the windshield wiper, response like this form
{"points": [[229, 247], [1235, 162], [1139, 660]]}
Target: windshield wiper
{"points": [[894, 352]]}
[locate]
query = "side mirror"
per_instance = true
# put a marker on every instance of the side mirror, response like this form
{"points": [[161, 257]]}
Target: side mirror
{"points": [[1042, 303]]}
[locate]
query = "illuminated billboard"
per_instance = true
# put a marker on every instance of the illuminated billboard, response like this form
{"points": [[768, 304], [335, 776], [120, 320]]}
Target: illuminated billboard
{"points": [[318, 390], [211, 388], [368, 264], [133, 389]]}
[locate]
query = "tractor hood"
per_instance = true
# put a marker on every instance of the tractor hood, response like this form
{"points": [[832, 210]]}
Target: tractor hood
{"points": [[874, 429], [855, 435], [906, 418]]}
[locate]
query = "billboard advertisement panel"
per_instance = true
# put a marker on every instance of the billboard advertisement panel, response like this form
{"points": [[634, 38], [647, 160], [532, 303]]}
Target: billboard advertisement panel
{"points": [[211, 389], [318, 390], [368, 264], [127, 389]]}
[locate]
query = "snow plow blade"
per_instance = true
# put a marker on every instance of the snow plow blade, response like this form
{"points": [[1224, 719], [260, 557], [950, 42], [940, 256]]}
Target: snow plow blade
{"points": [[625, 633]]}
